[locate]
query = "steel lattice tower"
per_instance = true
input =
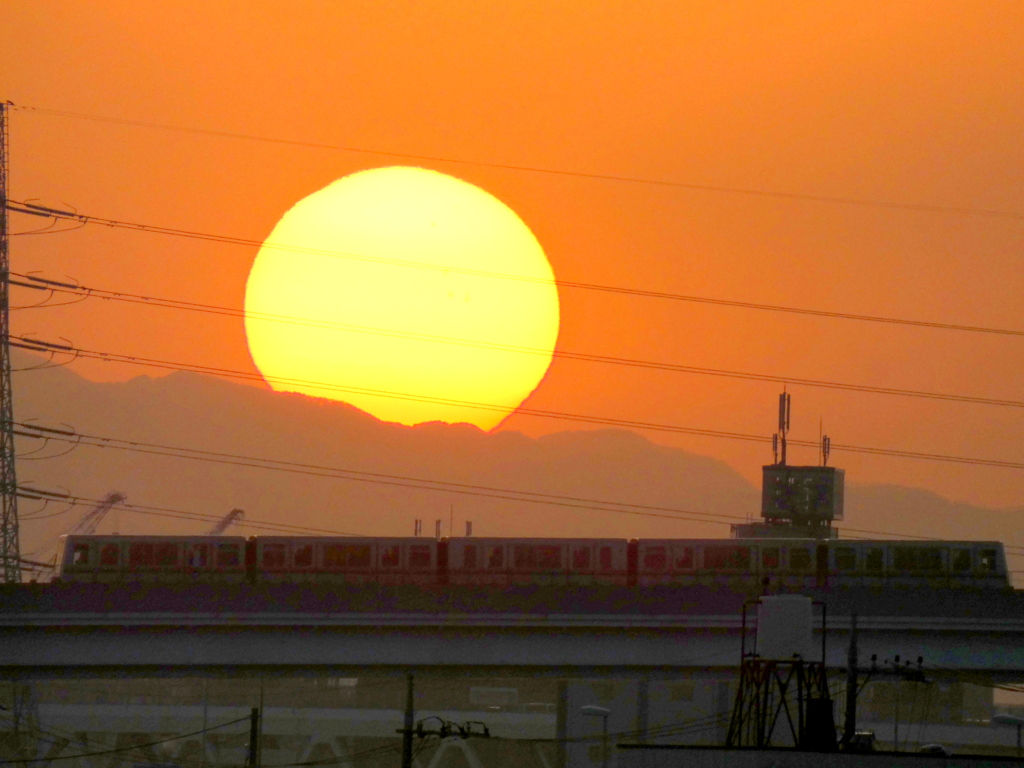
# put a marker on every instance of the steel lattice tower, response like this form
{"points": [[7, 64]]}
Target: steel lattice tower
{"points": [[10, 551]]}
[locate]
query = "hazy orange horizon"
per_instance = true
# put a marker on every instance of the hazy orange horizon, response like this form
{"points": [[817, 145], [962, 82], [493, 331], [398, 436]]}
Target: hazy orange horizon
{"points": [[918, 104]]}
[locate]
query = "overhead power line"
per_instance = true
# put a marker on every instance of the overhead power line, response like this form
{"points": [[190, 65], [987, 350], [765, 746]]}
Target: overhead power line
{"points": [[71, 501], [29, 281], [1012, 550], [380, 478], [339, 473], [35, 345], [715, 188], [39, 210]]}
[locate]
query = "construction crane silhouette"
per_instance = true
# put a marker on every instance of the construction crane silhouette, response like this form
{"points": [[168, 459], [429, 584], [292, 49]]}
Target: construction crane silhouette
{"points": [[232, 517], [87, 525]]}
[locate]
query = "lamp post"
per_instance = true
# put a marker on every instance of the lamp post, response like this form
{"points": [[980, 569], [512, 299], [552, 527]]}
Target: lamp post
{"points": [[1010, 720], [603, 713]]}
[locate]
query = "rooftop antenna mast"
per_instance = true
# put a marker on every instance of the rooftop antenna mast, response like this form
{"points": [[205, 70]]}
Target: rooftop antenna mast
{"points": [[779, 439], [10, 550]]}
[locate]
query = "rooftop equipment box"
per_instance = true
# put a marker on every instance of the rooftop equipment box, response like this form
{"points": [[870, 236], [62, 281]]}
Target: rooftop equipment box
{"points": [[784, 627], [802, 494]]}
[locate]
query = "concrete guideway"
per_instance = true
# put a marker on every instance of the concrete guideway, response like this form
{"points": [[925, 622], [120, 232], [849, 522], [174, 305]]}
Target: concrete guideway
{"points": [[499, 651], [495, 620], [154, 629]]}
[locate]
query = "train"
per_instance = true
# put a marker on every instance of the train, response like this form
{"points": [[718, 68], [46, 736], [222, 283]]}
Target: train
{"points": [[502, 562]]}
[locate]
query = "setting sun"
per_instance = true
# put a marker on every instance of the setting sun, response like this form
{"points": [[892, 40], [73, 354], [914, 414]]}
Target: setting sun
{"points": [[350, 323]]}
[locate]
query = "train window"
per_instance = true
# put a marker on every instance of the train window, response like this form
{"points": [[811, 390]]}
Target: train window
{"points": [[419, 556], [845, 558], [524, 556], [961, 561], [340, 556], [549, 556], [304, 556], [655, 559], [727, 558], [80, 554], [166, 555], [469, 556], [198, 555], [390, 557], [581, 558], [228, 556], [110, 554], [496, 557], [604, 557], [684, 559], [770, 558], [800, 559], [274, 555], [875, 559], [987, 560], [917, 559], [140, 554]]}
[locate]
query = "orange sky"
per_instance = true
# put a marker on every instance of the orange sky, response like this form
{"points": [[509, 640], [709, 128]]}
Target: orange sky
{"points": [[910, 102]]}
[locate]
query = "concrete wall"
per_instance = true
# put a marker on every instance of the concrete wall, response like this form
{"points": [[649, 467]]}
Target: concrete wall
{"points": [[704, 757]]}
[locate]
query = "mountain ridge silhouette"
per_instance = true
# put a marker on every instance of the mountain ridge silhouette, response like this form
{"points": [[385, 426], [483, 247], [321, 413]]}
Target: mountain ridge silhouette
{"points": [[202, 412]]}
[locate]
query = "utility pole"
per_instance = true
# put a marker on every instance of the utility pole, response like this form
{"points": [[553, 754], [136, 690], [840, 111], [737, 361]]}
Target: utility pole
{"points": [[10, 550], [254, 738], [407, 730], [850, 721]]}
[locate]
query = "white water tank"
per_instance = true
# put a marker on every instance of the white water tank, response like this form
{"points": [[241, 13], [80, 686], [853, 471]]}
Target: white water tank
{"points": [[784, 628]]}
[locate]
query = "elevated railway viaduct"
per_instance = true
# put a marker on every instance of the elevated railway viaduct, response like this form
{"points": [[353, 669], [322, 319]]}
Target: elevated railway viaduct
{"points": [[656, 657], [90, 629]]}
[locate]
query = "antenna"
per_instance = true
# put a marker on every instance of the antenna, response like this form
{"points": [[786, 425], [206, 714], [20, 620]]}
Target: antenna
{"points": [[775, 447], [826, 446], [784, 408]]}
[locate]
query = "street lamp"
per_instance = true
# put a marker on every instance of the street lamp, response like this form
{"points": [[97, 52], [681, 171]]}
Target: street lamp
{"points": [[1010, 720], [603, 713]]}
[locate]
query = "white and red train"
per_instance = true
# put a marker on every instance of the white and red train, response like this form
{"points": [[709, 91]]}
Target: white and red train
{"points": [[508, 561]]}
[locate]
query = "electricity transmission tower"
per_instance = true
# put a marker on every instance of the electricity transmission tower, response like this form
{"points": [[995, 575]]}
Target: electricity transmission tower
{"points": [[10, 551]]}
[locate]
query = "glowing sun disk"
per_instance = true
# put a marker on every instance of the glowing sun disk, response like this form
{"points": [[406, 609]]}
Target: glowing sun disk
{"points": [[310, 268]]}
